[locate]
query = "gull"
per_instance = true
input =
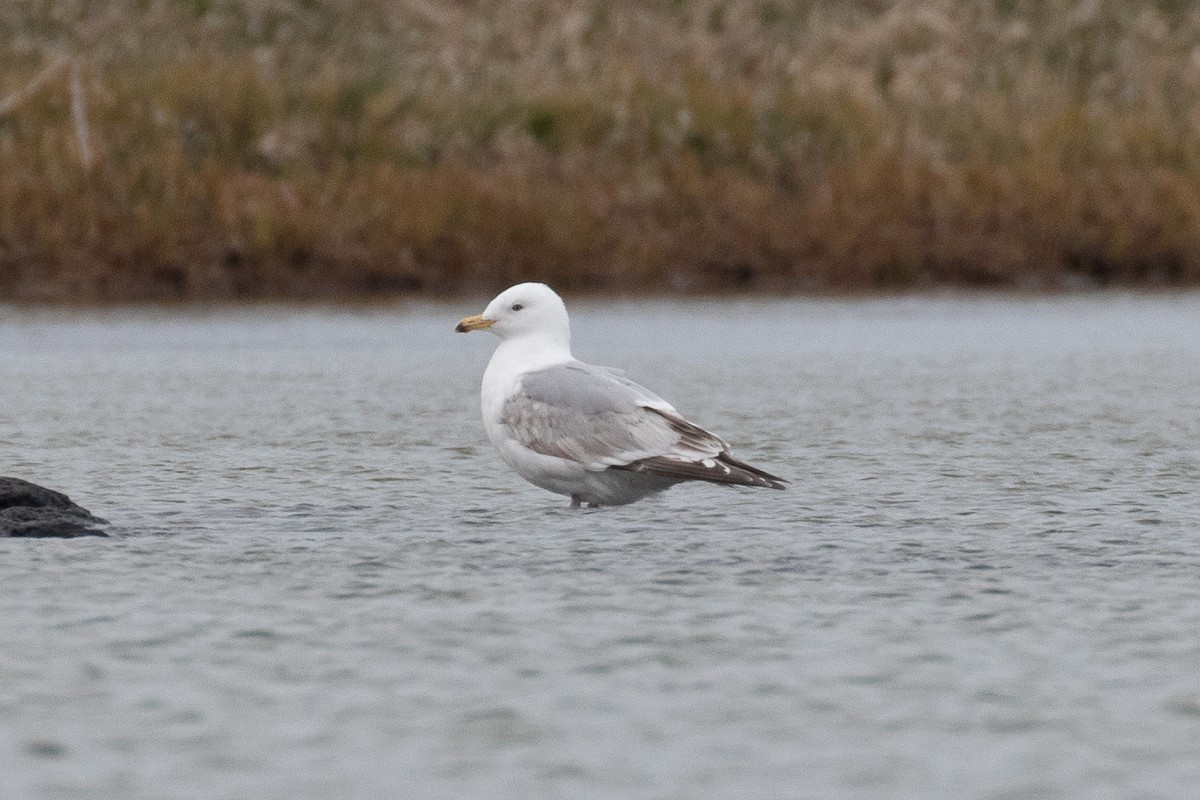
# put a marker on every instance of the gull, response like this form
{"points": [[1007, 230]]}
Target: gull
{"points": [[581, 430]]}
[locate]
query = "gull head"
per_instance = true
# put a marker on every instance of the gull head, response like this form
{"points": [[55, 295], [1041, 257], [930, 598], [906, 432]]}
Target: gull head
{"points": [[522, 310]]}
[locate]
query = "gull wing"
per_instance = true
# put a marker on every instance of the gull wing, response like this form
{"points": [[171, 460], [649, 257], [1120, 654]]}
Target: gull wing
{"points": [[597, 417]]}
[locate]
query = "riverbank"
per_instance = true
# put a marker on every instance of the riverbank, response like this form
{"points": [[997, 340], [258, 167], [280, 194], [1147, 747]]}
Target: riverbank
{"points": [[204, 150]]}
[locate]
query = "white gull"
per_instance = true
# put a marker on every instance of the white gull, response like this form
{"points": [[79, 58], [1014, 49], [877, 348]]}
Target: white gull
{"points": [[580, 430]]}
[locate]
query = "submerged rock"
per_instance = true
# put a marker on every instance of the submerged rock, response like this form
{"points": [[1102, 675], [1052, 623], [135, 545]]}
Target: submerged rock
{"points": [[27, 509]]}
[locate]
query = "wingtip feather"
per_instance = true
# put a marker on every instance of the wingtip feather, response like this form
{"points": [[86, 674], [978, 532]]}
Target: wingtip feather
{"points": [[723, 469]]}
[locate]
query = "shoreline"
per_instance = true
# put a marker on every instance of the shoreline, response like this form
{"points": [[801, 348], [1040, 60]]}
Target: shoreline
{"points": [[468, 298]]}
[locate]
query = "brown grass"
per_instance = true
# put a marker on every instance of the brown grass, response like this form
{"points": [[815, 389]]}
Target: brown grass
{"points": [[261, 148]]}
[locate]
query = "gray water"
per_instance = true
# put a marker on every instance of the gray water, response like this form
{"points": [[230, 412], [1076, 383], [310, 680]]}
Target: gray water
{"points": [[982, 583]]}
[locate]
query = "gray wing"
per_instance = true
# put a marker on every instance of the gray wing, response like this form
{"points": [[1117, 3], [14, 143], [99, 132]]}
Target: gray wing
{"points": [[599, 418]]}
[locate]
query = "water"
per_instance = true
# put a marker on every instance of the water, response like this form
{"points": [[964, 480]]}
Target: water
{"points": [[323, 583]]}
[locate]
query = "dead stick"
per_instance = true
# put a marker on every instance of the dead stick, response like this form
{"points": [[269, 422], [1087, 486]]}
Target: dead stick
{"points": [[79, 114], [19, 96]]}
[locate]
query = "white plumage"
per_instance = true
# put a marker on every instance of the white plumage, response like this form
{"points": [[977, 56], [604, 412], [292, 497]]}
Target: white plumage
{"points": [[580, 430]]}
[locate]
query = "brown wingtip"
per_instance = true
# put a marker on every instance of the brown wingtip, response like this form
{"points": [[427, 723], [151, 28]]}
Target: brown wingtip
{"points": [[723, 469]]}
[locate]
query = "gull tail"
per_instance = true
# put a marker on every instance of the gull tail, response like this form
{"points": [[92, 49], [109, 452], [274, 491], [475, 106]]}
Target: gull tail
{"points": [[722, 468]]}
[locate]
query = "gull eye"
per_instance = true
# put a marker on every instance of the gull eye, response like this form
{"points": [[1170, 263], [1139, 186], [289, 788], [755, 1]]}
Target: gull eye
{"points": [[517, 306]]}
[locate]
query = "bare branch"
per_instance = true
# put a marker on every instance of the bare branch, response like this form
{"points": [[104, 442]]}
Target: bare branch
{"points": [[79, 115], [16, 98]]}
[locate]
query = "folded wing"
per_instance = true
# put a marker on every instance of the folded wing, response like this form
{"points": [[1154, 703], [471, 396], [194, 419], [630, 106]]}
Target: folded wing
{"points": [[602, 420]]}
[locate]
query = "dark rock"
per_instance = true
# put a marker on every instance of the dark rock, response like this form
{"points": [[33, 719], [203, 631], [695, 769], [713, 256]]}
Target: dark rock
{"points": [[29, 510]]}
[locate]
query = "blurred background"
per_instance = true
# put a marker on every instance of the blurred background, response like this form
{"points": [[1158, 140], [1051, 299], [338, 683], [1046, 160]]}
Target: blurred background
{"points": [[211, 149]]}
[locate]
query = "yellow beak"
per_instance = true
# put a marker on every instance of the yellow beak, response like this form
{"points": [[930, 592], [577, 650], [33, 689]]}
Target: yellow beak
{"points": [[475, 323]]}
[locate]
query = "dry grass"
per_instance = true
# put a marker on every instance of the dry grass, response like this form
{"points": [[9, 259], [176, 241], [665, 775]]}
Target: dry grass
{"points": [[232, 148]]}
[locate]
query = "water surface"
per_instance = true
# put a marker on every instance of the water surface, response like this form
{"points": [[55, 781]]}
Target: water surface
{"points": [[323, 583]]}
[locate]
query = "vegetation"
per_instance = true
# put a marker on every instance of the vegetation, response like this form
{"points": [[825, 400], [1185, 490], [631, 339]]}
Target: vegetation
{"points": [[155, 149]]}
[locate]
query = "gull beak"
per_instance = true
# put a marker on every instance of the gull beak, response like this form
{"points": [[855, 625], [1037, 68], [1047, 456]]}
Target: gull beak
{"points": [[475, 323]]}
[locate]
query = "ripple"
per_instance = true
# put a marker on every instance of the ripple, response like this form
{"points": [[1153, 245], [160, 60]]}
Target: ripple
{"points": [[324, 583]]}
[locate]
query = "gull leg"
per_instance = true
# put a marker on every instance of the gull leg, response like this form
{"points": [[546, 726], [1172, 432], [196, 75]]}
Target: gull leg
{"points": [[593, 505], [575, 501]]}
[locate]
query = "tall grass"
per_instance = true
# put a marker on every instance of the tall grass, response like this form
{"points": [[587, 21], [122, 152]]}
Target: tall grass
{"points": [[231, 148]]}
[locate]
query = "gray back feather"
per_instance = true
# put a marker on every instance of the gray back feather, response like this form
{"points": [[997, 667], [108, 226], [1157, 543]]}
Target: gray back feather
{"points": [[587, 388], [598, 417]]}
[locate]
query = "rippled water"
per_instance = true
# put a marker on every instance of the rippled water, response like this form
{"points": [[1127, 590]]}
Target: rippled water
{"points": [[983, 583]]}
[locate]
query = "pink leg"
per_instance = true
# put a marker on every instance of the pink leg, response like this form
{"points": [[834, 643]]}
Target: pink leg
{"points": [[575, 501]]}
